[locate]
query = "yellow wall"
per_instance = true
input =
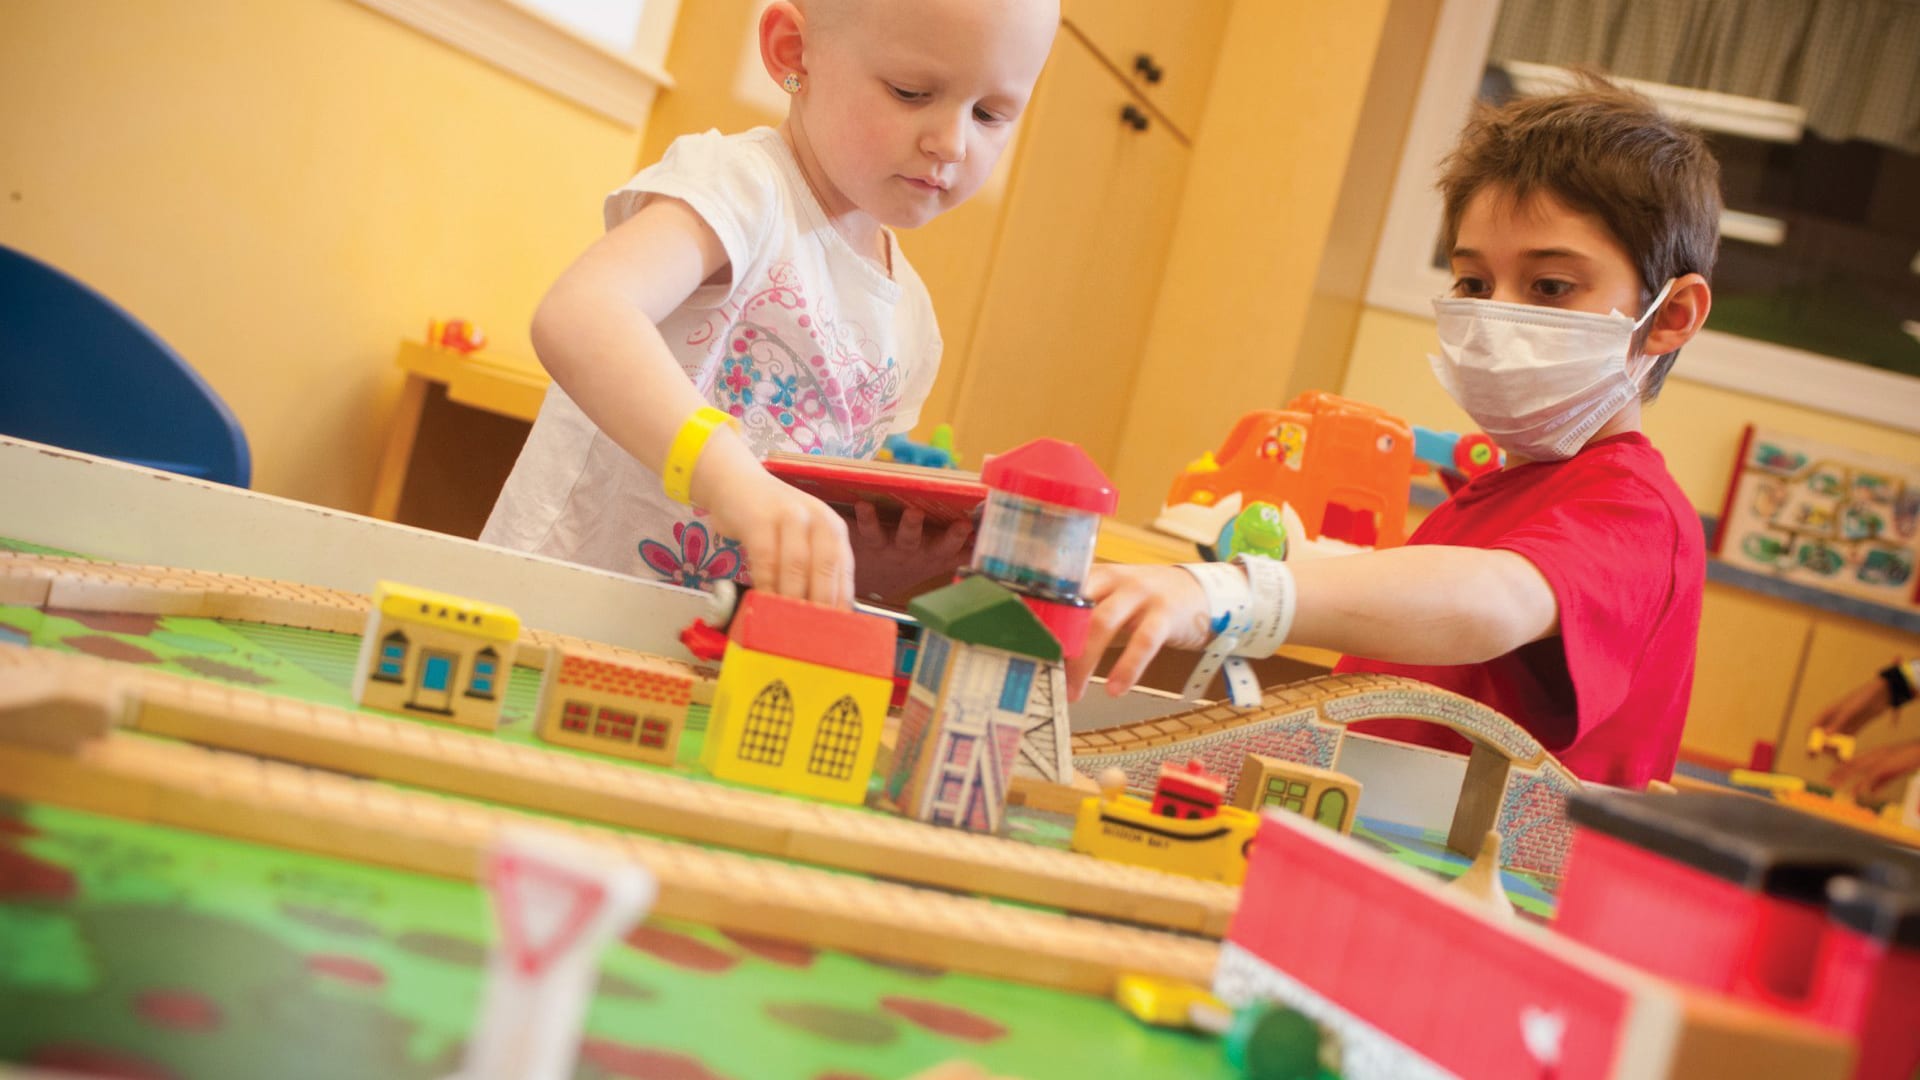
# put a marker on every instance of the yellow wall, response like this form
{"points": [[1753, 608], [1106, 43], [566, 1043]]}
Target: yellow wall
{"points": [[1267, 172], [283, 190], [1696, 426]]}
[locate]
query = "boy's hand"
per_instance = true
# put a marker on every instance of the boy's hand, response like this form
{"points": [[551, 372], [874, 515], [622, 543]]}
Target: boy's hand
{"points": [[886, 566], [1158, 605], [795, 544], [1873, 769]]}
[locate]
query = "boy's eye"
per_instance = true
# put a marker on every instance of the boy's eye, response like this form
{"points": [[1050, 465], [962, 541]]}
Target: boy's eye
{"points": [[906, 95], [1553, 289], [1468, 286]]}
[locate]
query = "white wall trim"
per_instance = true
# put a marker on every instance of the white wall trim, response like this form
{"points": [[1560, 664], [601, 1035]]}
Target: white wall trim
{"points": [[1404, 280], [521, 42]]}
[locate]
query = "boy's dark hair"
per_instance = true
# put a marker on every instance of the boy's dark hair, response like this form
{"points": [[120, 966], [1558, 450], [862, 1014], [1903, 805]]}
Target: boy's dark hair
{"points": [[1607, 151]]}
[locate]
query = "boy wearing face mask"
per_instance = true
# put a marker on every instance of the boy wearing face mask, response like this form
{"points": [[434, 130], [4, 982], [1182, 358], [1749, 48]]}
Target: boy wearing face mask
{"points": [[1563, 590]]}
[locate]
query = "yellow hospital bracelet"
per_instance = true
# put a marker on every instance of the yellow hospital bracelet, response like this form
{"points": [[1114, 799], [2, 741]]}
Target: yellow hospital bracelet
{"points": [[676, 476]]}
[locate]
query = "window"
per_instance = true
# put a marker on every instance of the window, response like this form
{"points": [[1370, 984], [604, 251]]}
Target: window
{"points": [[601, 54], [393, 657], [654, 732], [1817, 291], [614, 725], [837, 743], [1013, 692], [933, 661], [573, 716], [1287, 794], [1331, 810], [769, 726], [485, 664]]}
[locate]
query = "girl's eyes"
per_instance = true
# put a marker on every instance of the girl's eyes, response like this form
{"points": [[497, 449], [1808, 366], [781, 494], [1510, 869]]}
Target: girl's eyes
{"points": [[980, 115], [986, 117]]}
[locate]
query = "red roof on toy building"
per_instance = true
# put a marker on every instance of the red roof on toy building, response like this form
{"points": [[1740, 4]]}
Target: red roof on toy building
{"points": [[814, 633], [1051, 471]]}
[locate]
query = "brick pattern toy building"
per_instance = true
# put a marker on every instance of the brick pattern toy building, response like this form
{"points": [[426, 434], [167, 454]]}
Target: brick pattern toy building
{"points": [[430, 654], [1321, 795], [613, 701], [801, 698], [988, 695]]}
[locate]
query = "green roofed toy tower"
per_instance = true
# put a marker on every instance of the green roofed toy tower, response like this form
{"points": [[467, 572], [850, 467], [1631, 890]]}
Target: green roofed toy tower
{"points": [[988, 696]]}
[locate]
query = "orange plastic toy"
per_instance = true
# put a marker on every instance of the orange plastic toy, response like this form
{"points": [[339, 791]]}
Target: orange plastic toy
{"points": [[1342, 466]]}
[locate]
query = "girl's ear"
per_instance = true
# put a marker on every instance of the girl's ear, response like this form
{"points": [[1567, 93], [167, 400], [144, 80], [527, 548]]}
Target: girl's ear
{"points": [[782, 27], [1680, 317]]}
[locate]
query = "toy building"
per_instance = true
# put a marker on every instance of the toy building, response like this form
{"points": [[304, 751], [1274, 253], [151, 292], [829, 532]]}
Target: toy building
{"points": [[1758, 902], [430, 654], [1184, 829], [614, 701], [1323, 795], [801, 698], [1045, 500], [988, 696], [1415, 980]]}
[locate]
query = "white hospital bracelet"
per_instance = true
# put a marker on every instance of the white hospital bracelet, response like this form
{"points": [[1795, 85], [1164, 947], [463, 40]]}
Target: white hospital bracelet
{"points": [[1273, 605]]}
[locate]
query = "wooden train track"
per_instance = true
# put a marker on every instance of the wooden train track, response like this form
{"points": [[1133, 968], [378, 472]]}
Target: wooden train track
{"points": [[614, 793], [54, 748]]}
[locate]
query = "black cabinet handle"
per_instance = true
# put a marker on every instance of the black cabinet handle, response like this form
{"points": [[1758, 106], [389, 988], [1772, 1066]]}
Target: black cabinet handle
{"points": [[1148, 70], [1133, 118]]}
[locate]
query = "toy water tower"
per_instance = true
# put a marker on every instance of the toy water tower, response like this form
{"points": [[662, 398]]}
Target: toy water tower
{"points": [[1045, 500]]}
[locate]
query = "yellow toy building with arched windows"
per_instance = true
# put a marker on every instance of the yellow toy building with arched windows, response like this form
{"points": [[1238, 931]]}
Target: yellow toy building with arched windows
{"points": [[430, 654], [801, 698]]}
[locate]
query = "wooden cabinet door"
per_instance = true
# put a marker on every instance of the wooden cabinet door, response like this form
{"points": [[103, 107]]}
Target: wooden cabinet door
{"points": [[1743, 674], [1177, 38], [1842, 655], [1081, 249]]}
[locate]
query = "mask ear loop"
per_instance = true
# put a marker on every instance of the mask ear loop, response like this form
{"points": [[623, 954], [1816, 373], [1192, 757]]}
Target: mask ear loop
{"points": [[1645, 323]]}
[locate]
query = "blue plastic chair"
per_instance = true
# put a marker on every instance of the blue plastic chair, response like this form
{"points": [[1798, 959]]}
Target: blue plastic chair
{"points": [[78, 371]]}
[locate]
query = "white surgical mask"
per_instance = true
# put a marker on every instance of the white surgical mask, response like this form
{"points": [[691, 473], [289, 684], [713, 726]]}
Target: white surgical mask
{"points": [[1539, 381]]}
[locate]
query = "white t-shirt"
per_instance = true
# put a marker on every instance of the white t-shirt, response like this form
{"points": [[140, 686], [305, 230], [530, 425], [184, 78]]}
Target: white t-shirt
{"points": [[813, 347]]}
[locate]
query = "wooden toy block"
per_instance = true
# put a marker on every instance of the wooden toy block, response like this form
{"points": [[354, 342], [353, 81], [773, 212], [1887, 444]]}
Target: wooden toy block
{"points": [[429, 654], [1323, 795], [324, 812], [113, 592], [1038, 794], [1166, 1003], [1820, 740], [55, 710], [23, 587], [801, 698], [987, 692], [616, 702], [550, 782], [1481, 881]]}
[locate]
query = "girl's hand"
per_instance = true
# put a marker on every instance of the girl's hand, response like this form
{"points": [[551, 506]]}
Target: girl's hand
{"points": [[795, 544], [1873, 769], [1157, 605], [890, 564]]}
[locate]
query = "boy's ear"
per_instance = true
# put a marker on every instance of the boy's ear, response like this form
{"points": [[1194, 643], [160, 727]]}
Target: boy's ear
{"points": [[1680, 317], [782, 27]]}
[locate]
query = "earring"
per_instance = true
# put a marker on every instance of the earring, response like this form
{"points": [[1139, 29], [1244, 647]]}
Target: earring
{"points": [[791, 84]]}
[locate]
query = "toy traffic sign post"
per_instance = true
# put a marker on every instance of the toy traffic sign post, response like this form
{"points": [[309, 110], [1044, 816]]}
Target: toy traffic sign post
{"points": [[556, 903]]}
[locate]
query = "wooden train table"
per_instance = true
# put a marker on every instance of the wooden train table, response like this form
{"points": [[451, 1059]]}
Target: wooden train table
{"points": [[246, 875]]}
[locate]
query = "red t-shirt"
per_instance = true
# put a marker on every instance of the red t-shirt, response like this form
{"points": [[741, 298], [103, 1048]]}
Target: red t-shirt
{"points": [[1622, 549]]}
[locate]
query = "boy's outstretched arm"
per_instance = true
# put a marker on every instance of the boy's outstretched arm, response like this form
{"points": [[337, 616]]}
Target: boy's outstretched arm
{"points": [[1431, 604], [597, 331]]}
